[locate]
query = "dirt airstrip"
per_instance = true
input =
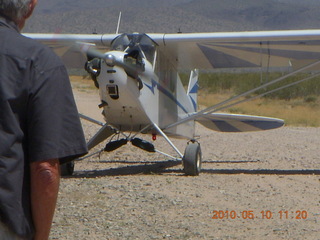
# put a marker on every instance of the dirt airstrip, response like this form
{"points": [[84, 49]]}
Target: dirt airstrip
{"points": [[262, 185]]}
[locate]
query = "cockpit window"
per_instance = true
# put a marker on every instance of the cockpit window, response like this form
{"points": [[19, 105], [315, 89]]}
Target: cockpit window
{"points": [[120, 43], [137, 45]]}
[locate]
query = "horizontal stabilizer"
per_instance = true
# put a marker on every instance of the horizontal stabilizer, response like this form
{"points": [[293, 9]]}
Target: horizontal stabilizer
{"points": [[222, 122]]}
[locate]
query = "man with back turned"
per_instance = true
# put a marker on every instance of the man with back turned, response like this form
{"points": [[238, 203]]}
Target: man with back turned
{"points": [[39, 127]]}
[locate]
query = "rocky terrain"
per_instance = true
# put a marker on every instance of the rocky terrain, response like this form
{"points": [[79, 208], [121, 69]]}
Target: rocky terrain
{"points": [[262, 185]]}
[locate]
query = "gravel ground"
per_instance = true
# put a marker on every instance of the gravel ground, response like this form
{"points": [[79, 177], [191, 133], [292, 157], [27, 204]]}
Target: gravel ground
{"points": [[262, 185]]}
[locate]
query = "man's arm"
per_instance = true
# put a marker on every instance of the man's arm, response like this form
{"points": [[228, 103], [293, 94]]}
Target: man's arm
{"points": [[45, 178]]}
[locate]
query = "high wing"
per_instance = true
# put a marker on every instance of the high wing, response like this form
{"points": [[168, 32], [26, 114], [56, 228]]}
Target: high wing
{"points": [[210, 50], [64, 45], [241, 49]]}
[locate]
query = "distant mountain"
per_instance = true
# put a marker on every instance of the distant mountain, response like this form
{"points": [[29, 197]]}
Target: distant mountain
{"points": [[82, 16]]}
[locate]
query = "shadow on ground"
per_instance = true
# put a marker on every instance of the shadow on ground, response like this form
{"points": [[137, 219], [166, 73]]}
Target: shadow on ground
{"points": [[164, 167]]}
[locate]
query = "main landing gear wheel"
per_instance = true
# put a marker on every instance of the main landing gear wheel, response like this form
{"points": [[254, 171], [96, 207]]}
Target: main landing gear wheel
{"points": [[192, 159], [67, 169]]}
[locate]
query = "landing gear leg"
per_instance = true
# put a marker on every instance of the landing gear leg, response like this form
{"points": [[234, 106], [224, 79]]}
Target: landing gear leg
{"points": [[192, 159]]}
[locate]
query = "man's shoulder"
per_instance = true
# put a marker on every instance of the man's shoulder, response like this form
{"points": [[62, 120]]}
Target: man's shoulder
{"points": [[42, 55], [39, 51], [29, 49]]}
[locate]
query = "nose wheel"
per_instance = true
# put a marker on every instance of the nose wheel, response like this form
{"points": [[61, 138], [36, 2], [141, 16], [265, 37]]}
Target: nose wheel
{"points": [[192, 159]]}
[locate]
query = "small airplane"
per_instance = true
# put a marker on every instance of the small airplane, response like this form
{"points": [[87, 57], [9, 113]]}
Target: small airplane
{"points": [[141, 92]]}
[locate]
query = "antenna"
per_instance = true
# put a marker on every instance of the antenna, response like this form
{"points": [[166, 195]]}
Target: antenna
{"points": [[118, 26]]}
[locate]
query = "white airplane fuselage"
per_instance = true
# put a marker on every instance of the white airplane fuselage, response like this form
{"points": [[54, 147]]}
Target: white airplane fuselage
{"points": [[131, 103]]}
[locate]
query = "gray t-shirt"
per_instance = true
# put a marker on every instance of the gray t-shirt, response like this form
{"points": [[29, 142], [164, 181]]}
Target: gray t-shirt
{"points": [[38, 121]]}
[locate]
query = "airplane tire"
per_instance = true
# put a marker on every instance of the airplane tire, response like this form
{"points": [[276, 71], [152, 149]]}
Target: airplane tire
{"points": [[67, 169], [192, 159]]}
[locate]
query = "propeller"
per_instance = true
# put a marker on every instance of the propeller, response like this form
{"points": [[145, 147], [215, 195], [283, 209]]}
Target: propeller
{"points": [[90, 50]]}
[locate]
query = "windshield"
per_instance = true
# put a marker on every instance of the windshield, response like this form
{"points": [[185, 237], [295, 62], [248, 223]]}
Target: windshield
{"points": [[136, 45]]}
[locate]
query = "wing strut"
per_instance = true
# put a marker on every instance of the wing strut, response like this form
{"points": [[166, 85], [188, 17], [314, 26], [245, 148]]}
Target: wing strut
{"points": [[212, 108], [263, 94], [219, 106]]}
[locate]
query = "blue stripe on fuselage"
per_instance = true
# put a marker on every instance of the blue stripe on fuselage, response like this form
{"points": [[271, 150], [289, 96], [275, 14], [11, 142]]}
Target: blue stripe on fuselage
{"points": [[166, 93]]}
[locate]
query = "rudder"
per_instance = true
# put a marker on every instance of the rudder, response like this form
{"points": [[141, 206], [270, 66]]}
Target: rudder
{"points": [[193, 88]]}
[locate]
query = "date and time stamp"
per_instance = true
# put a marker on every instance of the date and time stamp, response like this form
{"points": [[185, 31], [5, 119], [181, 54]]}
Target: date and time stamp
{"points": [[263, 214]]}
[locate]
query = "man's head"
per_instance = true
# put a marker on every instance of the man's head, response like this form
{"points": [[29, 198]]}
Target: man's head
{"points": [[17, 10]]}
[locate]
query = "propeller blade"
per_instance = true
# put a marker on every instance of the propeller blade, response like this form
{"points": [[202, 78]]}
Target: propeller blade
{"points": [[110, 60]]}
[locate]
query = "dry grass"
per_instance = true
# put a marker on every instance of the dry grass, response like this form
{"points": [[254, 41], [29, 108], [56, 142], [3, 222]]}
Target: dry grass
{"points": [[82, 83], [295, 112]]}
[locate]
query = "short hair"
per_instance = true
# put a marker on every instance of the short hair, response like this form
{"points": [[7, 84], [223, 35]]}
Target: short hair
{"points": [[14, 9]]}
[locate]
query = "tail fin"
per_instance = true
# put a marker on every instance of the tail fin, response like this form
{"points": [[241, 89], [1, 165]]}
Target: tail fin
{"points": [[193, 88]]}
